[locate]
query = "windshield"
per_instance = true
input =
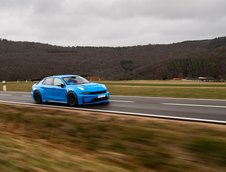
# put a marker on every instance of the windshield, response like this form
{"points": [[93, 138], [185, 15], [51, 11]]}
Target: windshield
{"points": [[74, 80]]}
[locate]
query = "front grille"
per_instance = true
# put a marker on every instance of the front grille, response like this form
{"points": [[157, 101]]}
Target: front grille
{"points": [[94, 100], [100, 99], [96, 92]]}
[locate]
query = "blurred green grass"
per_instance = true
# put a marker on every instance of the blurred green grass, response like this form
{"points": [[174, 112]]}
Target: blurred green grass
{"points": [[211, 149], [179, 89], [39, 139]]}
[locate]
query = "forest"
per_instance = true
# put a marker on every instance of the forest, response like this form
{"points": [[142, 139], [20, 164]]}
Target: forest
{"points": [[189, 59]]}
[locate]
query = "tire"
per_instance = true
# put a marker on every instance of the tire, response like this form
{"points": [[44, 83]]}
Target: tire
{"points": [[72, 99], [37, 97]]}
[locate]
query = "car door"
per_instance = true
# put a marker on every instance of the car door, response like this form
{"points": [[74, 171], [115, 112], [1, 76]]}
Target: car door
{"points": [[59, 90], [47, 87]]}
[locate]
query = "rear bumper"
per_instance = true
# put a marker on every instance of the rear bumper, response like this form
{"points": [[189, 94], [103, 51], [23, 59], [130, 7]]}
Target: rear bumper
{"points": [[94, 99]]}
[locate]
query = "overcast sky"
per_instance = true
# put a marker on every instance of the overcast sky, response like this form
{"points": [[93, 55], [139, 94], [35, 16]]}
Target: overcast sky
{"points": [[111, 22]]}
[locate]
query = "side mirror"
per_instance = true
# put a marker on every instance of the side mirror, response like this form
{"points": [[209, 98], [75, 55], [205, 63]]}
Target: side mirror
{"points": [[61, 85]]}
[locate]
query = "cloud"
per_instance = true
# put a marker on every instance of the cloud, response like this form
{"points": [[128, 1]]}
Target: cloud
{"points": [[111, 22]]}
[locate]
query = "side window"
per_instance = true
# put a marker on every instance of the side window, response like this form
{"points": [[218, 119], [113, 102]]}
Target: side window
{"points": [[57, 82], [48, 81]]}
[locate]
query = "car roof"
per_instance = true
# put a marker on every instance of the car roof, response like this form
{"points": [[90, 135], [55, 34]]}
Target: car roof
{"points": [[62, 76]]}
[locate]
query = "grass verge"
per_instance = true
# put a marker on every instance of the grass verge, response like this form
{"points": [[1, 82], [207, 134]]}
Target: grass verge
{"points": [[39, 139]]}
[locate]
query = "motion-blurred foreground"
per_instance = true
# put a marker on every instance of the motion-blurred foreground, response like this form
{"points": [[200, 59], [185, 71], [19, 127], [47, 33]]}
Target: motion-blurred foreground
{"points": [[38, 139]]}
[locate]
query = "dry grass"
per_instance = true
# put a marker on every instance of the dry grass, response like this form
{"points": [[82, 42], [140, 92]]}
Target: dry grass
{"points": [[39, 139], [20, 86], [165, 82], [163, 91]]}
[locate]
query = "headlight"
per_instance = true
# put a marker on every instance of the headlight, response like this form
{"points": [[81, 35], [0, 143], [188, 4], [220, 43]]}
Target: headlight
{"points": [[104, 86], [81, 88]]}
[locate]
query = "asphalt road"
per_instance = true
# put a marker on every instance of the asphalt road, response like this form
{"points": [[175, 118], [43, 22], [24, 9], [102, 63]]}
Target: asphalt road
{"points": [[205, 110]]}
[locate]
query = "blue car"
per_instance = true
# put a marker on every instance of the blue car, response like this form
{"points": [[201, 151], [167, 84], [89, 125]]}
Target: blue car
{"points": [[73, 90]]}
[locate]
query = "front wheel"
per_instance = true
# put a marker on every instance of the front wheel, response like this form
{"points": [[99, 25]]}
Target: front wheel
{"points": [[72, 99], [37, 97]]}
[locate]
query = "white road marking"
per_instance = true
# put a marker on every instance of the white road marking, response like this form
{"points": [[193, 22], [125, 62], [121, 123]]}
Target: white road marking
{"points": [[194, 105], [5, 94], [118, 112], [26, 96], [122, 101], [20, 98], [148, 97]]}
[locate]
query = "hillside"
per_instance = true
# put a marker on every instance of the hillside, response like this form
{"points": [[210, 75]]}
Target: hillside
{"points": [[29, 60]]}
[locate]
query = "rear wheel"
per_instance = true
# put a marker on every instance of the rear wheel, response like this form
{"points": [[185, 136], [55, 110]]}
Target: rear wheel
{"points": [[37, 97], [72, 99]]}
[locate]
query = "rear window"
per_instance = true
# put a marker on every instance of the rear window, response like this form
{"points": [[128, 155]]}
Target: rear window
{"points": [[48, 81]]}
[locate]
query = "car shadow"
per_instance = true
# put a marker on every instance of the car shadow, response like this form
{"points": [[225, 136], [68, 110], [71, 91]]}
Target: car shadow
{"points": [[96, 106], [93, 106]]}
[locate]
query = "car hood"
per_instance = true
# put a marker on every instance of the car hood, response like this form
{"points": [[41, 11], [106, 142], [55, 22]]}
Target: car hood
{"points": [[91, 87]]}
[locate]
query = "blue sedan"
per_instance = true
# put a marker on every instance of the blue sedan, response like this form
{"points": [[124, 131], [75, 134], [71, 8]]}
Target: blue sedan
{"points": [[73, 90]]}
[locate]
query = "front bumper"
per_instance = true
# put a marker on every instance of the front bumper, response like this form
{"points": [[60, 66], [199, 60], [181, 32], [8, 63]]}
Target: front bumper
{"points": [[95, 99]]}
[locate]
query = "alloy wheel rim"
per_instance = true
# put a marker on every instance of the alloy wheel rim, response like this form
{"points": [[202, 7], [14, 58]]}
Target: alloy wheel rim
{"points": [[37, 97], [71, 99]]}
